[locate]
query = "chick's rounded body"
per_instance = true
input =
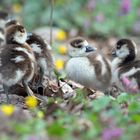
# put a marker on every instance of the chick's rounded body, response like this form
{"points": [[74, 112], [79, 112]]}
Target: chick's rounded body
{"points": [[91, 71]]}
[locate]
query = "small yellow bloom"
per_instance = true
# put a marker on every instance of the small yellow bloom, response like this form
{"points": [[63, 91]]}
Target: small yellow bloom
{"points": [[31, 102], [56, 101], [62, 49], [17, 8], [40, 114], [61, 35], [59, 64], [7, 109]]}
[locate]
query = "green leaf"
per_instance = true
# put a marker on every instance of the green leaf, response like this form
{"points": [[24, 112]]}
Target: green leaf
{"points": [[101, 103], [136, 118], [39, 125], [124, 97], [23, 129], [56, 129], [134, 107]]}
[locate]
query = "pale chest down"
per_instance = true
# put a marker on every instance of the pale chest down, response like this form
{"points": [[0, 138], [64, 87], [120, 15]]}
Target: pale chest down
{"points": [[80, 70]]}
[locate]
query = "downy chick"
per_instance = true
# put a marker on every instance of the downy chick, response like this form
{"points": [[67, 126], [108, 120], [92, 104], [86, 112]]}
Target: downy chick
{"points": [[125, 66], [87, 66], [17, 61], [43, 55]]}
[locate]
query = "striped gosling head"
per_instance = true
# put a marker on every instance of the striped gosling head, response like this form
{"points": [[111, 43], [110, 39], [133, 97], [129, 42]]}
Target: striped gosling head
{"points": [[125, 49], [79, 47], [16, 34]]}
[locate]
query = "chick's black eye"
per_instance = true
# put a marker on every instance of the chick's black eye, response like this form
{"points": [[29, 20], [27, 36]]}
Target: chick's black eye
{"points": [[118, 47], [79, 46], [22, 31]]}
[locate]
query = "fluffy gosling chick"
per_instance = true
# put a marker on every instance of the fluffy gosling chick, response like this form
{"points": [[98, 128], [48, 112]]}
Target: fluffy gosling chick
{"points": [[88, 67], [3, 18], [125, 66], [17, 61], [43, 55]]}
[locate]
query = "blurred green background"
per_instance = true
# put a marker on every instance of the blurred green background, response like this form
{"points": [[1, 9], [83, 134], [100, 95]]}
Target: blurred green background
{"points": [[79, 119], [88, 17]]}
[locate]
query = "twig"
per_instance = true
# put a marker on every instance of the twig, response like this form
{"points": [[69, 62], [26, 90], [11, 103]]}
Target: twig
{"points": [[51, 34], [51, 21]]}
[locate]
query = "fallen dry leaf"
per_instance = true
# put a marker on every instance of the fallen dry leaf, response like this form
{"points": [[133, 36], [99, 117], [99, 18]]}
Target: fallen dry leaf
{"points": [[67, 90]]}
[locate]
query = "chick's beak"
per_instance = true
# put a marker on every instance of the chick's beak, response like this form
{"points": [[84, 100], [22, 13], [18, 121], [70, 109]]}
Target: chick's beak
{"points": [[90, 48], [114, 53], [21, 34]]}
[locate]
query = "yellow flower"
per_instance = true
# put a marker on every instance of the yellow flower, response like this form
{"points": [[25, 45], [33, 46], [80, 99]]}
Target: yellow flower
{"points": [[7, 109], [40, 114], [59, 64], [61, 35], [62, 49], [17, 8], [31, 102]]}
